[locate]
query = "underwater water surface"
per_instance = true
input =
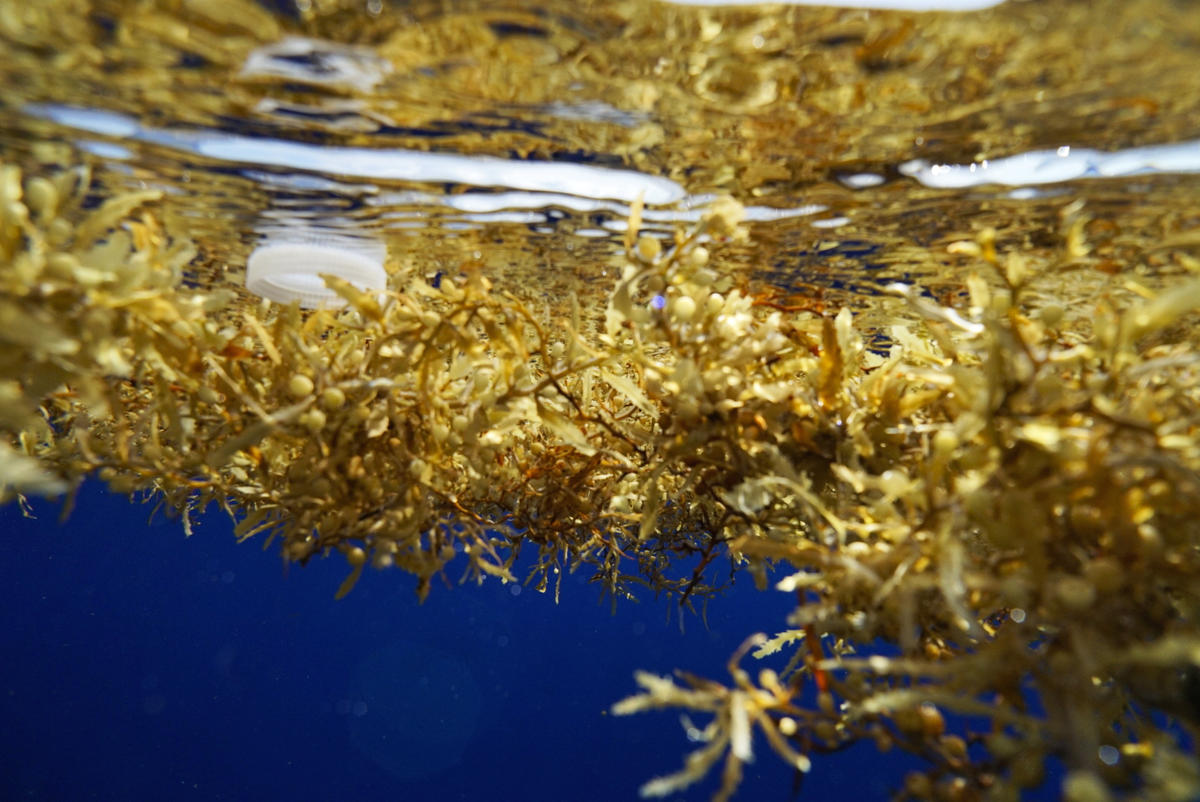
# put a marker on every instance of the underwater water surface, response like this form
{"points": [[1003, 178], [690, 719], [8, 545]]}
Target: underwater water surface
{"points": [[518, 137]]}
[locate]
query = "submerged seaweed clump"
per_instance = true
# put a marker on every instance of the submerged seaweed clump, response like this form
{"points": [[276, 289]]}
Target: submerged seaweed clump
{"points": [[1005, 491]]}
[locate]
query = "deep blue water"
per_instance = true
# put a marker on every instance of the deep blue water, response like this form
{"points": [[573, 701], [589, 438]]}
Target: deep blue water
{"points": [[136, 664]]}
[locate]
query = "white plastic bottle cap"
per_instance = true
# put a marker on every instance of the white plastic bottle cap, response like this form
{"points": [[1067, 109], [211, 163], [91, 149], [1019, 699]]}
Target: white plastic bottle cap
{"points": [[288, 267]]}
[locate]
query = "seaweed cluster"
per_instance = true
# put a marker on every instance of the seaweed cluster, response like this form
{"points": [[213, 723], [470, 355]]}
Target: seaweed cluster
{"points": [[1002, 493]]}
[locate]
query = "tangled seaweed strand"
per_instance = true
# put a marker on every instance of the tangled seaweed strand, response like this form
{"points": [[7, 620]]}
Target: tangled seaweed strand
{"points": [[1008, 496]]}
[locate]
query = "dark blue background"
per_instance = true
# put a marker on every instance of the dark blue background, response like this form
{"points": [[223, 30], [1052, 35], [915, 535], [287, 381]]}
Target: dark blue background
{"points": [[136, 663]]}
